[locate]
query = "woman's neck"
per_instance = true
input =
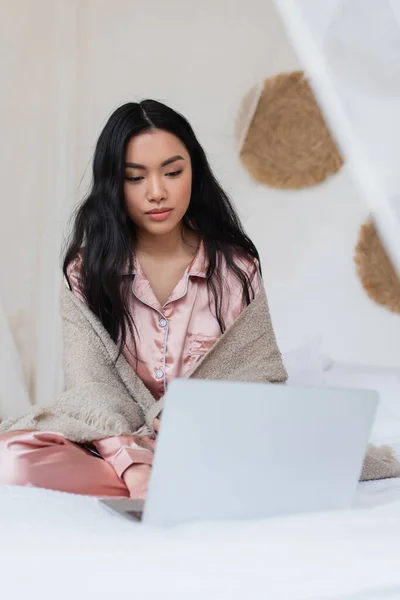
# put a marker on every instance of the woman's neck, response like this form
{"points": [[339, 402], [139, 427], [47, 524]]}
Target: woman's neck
{"points": [[170, 244]]}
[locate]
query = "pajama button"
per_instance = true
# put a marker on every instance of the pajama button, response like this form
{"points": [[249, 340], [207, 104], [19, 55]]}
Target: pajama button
{"points": [[159, 374], [163, 322]]}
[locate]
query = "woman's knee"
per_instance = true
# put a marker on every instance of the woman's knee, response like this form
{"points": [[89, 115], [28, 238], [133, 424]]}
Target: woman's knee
{"points": [[21, 456], [48, 460]]}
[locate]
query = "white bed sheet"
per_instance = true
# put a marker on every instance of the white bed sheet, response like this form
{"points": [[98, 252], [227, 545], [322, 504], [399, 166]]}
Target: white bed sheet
{"points": [[65, 546]]}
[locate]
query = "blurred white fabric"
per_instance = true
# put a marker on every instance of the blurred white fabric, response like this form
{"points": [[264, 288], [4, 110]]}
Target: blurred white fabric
{"points": [[351, 52], [14, 397], [68, 546], [37, 168]]}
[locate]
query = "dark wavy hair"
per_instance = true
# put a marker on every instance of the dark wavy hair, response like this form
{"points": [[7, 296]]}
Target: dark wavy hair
{"points": [[103, 228]]}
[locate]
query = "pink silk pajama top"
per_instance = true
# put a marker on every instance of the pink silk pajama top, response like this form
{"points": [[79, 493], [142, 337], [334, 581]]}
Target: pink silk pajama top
{"points": [[172, 338]]}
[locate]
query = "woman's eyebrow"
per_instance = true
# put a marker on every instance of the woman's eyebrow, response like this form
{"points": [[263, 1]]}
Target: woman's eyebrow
{"points": [[173, 159]]}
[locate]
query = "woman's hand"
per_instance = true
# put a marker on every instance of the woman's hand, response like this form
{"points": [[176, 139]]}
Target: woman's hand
{"points": [[136, 478], [146, 441]]}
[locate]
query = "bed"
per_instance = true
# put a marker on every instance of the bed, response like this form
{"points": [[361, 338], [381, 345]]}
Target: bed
{"points": [[66, 546]]}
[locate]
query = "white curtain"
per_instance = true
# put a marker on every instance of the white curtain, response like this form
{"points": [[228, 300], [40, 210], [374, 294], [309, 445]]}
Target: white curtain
{"points": [[351, 51], [38, 179], [14, 397]]}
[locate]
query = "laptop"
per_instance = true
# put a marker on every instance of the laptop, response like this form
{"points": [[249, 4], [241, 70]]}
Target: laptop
{"points": [[240, 451]]}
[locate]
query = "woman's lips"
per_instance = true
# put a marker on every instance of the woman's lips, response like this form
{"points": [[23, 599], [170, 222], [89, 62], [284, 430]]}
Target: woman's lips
{"points": [[159, 216]]}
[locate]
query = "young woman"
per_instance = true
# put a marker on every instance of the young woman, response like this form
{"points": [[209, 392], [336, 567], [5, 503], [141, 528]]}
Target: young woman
{"points": [[159, 256]]}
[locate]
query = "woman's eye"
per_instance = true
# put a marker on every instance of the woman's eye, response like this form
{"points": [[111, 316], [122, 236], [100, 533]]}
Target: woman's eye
{"points": [[174, 173], [134, 179]]}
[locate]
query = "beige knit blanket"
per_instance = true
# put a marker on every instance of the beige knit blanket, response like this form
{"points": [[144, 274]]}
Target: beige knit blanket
{"points": [[103, 396]]}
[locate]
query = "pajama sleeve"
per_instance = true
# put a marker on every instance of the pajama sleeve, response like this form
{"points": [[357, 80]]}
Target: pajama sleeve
{"points": [[123, 451]]}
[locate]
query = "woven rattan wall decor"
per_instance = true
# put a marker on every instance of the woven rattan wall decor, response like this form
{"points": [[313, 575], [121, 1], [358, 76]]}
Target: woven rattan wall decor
{"points": [[282, 136], [375, 269]]}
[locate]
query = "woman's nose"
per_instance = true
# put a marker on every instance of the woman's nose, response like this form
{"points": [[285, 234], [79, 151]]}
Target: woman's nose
{"points": [[156, 189]]}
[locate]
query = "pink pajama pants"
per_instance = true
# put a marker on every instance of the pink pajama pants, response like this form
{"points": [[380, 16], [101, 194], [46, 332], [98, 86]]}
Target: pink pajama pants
{"points": [[49, 460]]}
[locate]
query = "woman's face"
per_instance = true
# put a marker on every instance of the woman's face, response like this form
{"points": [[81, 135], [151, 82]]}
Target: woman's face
{"points": [[158, 181]]}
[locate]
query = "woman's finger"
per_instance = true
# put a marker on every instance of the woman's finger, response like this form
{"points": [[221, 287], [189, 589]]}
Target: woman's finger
{"points": [[145, 441]]}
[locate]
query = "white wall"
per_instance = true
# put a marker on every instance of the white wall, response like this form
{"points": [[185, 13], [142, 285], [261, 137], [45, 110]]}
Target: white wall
{"points": [[80, 60]]}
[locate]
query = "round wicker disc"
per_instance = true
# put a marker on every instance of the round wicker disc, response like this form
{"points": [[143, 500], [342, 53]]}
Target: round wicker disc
{"points": [[375, 269], [288, 144]]}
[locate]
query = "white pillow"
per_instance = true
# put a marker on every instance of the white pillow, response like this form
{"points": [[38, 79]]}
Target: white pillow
{"points": [[383, 380], [306, 364]]}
